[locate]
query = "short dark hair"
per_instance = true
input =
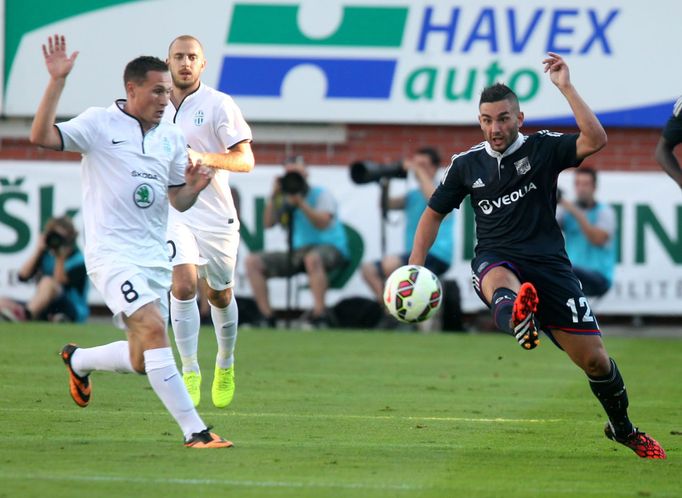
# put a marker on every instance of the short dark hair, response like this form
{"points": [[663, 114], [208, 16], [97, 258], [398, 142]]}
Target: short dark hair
{"points": [[136, 70], [66, 224], [497, 92], [433, 154], [586, 170]]}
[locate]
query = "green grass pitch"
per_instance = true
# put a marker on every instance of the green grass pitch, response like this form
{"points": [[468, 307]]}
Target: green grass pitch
{"points": [[334, 414]]}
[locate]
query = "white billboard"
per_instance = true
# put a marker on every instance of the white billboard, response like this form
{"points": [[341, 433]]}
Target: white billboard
{"points": [[648, 278], [389, 61]]}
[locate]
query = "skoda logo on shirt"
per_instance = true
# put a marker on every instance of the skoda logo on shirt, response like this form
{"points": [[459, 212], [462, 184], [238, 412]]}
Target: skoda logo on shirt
{"points": [[143, 196], [198, 118]]}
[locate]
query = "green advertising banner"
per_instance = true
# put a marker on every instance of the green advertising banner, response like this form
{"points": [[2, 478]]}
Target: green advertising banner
{"points": [[648, 277]]}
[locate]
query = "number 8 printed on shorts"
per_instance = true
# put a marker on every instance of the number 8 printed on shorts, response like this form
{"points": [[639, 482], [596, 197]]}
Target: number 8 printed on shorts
{"points": [[129, 293]]}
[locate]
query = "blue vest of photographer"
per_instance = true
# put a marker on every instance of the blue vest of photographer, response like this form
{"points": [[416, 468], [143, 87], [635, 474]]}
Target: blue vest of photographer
{"points": [[443, 246], [76, 292], [584, 254], [306, 234]]}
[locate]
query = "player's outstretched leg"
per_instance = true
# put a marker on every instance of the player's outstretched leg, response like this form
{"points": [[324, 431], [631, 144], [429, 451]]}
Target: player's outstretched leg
{"points": [[81, 362], [515, 313], [151, 353], [588, 352], [207, 439], [225, 319], [512, 304], [186, 321], [641, 443], [611, 393], [79, 385], [523, 316], [164, 378]]}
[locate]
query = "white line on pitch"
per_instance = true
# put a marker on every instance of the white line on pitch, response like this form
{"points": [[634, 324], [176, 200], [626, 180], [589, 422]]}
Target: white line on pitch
{"points": [[289, 484], [214, 482], [341, 416]]}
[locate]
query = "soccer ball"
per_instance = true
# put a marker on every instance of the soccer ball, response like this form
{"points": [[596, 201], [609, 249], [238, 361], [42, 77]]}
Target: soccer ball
{"points": [[412, 294]]}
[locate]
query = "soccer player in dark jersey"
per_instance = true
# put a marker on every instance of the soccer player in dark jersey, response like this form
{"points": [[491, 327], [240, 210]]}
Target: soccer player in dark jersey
{"points": [[671, 137], [521, 270]]}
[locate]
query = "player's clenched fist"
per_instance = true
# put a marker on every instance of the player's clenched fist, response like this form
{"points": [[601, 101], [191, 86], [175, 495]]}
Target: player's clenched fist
{"points": [[198, 176]]}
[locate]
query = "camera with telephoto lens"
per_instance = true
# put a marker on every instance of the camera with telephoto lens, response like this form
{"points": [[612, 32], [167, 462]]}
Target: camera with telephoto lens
{"points": [[54, 239], [293, 183], [368, 171]]}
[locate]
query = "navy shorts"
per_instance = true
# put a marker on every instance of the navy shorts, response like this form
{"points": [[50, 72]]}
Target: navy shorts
{"points": [[563, 305], [436, 265]]}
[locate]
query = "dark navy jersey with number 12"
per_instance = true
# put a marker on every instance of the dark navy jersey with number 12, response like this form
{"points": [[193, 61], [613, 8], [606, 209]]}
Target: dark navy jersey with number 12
{"points": [[513, 194]]}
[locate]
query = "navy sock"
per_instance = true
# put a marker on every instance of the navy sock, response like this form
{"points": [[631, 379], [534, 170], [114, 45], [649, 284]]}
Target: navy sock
{"points": [[502, 307], [611, 393]]}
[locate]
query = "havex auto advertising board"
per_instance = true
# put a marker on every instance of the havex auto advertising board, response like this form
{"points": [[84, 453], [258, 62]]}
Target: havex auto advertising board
{"points": [[356, 61]]}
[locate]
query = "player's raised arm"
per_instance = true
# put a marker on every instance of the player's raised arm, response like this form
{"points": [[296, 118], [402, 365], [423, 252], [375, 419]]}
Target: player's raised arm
{"points": [[427, 230], [238, 159], [592, 136], [59, 65]]}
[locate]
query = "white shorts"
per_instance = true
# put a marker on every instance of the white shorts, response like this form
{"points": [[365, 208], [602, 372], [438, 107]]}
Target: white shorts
{"points": [[214, 254], [126, 288]]}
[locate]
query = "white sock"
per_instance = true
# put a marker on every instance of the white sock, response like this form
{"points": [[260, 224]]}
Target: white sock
{"points": [[225, 323], [186, 321], [113, 357], [165, 379]]}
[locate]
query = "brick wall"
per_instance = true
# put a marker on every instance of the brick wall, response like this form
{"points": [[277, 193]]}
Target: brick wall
{"points": [[628, 149]]}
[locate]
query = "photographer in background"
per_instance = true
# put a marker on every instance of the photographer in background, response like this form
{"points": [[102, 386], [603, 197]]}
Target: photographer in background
{"points": [[589, 228], [424, 165], [318, 240], [58, 267]]}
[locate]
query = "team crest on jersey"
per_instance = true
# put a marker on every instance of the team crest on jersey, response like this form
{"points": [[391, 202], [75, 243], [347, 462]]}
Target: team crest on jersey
{"points": [[166, 146], [199, 118], [143, 196], [522, 166]]}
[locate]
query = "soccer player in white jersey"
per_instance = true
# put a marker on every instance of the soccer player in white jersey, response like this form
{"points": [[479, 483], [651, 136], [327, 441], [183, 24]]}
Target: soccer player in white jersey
{"points": [[133, 165], [203, 240]]}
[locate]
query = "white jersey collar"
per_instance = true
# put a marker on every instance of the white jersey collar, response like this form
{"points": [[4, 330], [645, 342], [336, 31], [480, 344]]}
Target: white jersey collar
{"points": [[120, 105], [510, 150]]}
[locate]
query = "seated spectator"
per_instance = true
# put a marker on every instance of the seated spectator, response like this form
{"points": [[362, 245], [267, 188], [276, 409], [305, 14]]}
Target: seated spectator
{"points": [[318, 240], [424, 164], [589, 228], [58, 267]]}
